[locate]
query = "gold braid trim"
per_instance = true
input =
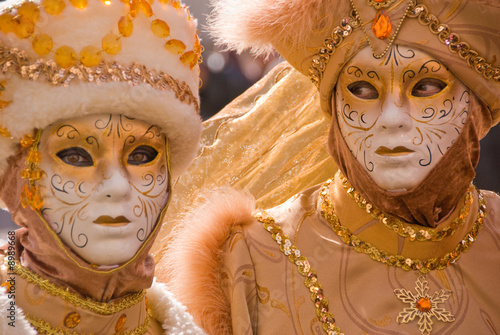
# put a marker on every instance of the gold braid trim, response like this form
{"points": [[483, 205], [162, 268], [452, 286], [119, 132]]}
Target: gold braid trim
{"points": [[44, 328], [304, 268], [88, 304], [18, 62]]}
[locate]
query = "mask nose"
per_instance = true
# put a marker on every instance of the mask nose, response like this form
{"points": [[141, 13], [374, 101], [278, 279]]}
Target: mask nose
{"points": [[395, 115], [114, 185]]}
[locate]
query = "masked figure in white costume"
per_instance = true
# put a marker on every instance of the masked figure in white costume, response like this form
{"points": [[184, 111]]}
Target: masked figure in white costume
{"points": [[399, 241], [100, 113]]}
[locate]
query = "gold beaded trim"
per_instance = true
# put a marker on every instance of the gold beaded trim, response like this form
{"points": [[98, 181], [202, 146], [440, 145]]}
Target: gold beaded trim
{"points": [[321, 59], [304, 268], [399, 227], [45, 328], [88, 304], [452, 40], [443, 32], [18, 62], [23, 22], [400, 261]]}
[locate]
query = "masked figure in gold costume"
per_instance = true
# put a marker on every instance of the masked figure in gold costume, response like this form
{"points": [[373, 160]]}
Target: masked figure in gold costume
{"points": [[398, 241], [100, 113]]}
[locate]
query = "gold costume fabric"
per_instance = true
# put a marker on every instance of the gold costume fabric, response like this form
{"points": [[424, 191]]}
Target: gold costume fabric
{"points": [[270, 141], [360, 291]]}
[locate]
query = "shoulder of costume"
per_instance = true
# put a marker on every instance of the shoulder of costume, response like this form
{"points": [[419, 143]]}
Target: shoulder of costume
{"points": [[172, 315], [191, 261], [17, 325]]}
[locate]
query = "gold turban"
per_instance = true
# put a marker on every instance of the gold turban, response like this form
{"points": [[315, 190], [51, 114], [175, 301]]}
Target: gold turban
{"points": [[319, 36]]}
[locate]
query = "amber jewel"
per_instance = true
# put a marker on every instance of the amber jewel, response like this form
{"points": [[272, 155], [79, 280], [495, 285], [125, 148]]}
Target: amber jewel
{"points": [[24, 28], [53, 7], [160, 28], [7, 23], [125, 26], [175, 46], [72, 320], [112, 44], [382, 25], [30, 11], [423, 305], [90, 56], [80, 4], [42, 44], [65, 56], [120, 323]]}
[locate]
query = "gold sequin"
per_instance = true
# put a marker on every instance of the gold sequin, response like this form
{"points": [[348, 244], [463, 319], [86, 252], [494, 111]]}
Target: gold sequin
{"points": [[18, 62], [304, 268], [407, 264], [72, 320], [413, 233]]}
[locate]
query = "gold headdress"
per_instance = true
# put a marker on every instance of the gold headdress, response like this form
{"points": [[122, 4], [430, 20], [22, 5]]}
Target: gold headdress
{"points": [[318, 36], [68, 58]]}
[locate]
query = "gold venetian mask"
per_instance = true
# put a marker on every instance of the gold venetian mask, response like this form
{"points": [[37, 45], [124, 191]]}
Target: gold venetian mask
{"points": [[105, 183], [399, 114]]}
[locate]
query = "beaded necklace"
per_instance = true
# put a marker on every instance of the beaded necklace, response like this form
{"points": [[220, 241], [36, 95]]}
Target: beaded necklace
{"points": [[412, 232]]}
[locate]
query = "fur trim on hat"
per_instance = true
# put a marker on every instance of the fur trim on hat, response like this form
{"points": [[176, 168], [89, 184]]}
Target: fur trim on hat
{"points": [[192, 264], [258, 24]]}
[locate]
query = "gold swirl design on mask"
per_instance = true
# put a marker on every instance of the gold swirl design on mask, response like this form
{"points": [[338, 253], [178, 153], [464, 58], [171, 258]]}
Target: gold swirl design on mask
{"points": [[17, 62]]}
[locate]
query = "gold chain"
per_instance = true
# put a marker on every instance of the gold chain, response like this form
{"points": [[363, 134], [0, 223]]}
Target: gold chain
{"points": [[410, 5], [45, 328], [304, 269], [408, 231], [88, 304], [407, 264]]}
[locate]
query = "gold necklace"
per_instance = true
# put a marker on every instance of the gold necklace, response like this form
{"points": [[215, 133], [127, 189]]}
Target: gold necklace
{"points": [[101, 308], [407, 264], [398, 226]]}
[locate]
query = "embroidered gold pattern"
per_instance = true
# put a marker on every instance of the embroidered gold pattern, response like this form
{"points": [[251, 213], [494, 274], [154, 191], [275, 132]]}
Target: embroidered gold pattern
{"points": [[18, 62], [304, 269], [423, 305], [88, 304], [380, 3], [399, 227], [45, 328], [407, 264]]}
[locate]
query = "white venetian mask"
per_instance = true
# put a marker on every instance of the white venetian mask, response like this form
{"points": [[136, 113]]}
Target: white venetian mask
{"points": [[400, 114], [104, 185]]}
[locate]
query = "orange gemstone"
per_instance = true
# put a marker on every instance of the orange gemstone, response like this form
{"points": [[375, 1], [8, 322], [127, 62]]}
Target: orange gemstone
{"points": [[24, 28], [42, 44], [112, 44], [72, 320], [145, 7], [53, 7], [30, 11], [175, 46], [125, 26], [7, 23], [134, 8], [120, 323], [90, 56], [160, 28], [65, 56], [189, 58], [26, 196], [382, 25], [80, 4], [424, 305], [34, 157], [27, 141]]}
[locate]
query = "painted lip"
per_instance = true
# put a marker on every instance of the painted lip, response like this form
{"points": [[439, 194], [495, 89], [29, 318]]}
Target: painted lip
{"points": [[397, 151], [107, 220]]}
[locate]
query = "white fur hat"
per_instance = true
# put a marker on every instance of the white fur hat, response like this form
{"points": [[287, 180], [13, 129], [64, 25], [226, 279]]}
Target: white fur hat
{"points": [[153, 76]]}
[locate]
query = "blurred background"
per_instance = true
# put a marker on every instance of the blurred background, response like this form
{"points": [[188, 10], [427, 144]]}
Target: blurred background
{"points": [[226, 75]]}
